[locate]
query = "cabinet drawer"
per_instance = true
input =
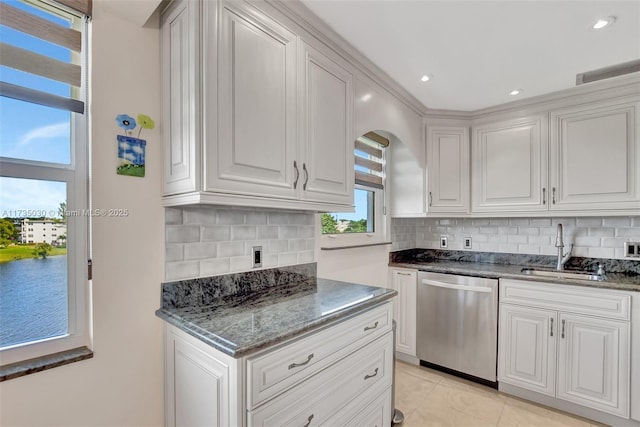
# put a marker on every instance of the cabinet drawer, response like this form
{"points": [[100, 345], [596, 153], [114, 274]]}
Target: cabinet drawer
{"points": [[316, 400], [370, 409], [574, 299], [275, 371]]}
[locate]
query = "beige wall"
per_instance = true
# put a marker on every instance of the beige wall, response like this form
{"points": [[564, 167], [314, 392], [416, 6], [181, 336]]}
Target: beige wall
{"points": [[123, 384]]}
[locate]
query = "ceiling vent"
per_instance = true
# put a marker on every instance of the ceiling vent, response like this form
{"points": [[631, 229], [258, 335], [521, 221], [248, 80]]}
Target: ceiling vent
{"points": [[608, 72]]}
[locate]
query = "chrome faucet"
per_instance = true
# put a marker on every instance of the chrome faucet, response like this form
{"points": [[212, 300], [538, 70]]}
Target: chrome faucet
{"points": [[562, 259]]}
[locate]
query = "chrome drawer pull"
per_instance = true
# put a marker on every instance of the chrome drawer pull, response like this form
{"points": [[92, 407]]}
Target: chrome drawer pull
{"points": [[295, 365], [308, 421], [562, 333], [551, 319], [366, 377], [375, 325]]}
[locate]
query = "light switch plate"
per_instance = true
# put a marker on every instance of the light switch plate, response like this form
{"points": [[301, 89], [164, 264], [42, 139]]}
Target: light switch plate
{"points": [[443, 242], [467, 242], [632, 249], [257, 256]]}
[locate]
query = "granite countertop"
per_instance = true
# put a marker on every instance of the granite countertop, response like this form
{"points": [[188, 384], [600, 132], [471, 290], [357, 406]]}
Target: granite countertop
{"points": [[245, 322], [508, 266]]}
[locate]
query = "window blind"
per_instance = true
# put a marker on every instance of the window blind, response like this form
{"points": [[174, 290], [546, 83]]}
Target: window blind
{"points": [[53, 24], [369, 160]]}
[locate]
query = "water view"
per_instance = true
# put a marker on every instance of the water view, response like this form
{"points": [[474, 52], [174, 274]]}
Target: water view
{"points": [[33, 299]]}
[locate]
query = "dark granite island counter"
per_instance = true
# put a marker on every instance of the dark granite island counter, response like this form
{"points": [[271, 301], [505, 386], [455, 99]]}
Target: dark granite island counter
{"points": [[247, 321], [276, 346]]}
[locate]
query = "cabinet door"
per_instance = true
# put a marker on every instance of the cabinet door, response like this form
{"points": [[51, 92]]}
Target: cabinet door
{"points": [[197, 384], [448, 169], [527, 348], [595, 157], [326, 128], [180, 64], [510, 166], [405, 282], [593, 363], [254, 150]]}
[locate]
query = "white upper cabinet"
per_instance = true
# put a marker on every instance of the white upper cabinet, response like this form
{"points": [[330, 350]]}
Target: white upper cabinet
{"points": [[254, 151], [255, 116], [510, 165], [326, 128], [180, 77], [595, 156], [448, 169]]}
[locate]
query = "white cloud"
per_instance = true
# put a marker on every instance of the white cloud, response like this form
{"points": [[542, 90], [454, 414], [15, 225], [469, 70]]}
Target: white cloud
{"points": [[56, 130], [129, 156], [137, 149], [124, 146], [31, 194]]}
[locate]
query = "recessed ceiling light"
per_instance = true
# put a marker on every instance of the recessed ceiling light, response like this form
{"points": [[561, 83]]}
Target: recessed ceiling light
{"points": [[426, 78], [603, 22], [366, 97], [516, 92]]}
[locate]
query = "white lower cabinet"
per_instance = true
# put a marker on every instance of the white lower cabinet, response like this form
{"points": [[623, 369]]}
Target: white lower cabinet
{"points": [[404, 281], [572, 344], [339, 375]]}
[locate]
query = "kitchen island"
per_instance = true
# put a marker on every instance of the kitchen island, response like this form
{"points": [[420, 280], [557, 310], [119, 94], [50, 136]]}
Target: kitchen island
{"points": [[276, 346]]}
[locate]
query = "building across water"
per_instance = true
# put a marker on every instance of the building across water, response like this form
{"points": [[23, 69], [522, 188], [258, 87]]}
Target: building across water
{"points": [[49, 231]]}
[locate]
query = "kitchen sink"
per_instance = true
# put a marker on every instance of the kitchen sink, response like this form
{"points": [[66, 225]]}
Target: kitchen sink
{"points": [[564, 274]]}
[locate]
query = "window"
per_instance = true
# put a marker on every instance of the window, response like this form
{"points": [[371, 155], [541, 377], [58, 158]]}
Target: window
{"points": [[366, 224], [43, 175]]}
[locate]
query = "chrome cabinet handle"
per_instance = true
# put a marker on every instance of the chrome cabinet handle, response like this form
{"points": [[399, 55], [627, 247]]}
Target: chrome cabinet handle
{"points": [[430, 198], [553, 195], [403, 274], [551, 328], [375, 325], [296, 365], [544, 195], [562, 333], [308, 421], [295, 166], [306, 176], [366, 377]]}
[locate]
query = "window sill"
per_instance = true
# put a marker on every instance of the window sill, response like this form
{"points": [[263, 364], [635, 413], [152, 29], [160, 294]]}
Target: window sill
{"points": [[364, 245], [31, 366]]}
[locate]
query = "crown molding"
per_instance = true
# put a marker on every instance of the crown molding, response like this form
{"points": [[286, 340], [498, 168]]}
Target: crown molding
{"points": [[302, 15]]}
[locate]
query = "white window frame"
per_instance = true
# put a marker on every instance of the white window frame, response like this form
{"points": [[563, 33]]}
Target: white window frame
{"points": [[380, 226], [75, 175]]}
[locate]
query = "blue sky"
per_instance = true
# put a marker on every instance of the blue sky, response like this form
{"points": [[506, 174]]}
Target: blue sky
{"points": [[360, 202], [33, 132]]}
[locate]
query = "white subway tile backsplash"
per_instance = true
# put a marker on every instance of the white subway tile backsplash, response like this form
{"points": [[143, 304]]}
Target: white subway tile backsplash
{"points": [[241, 263], [277, 246], [195, 251], [617, 222], [287, 259], [182, 234], [206, 241], [201, 216], [172, 216], [215, 233], [212, 267], [181, 269], [268, 232], [243, 232], [230, 249], [173, 252], [592, 237]]}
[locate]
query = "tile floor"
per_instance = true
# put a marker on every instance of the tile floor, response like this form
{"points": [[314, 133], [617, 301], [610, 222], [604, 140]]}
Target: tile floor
{"points": [[431, 398]]}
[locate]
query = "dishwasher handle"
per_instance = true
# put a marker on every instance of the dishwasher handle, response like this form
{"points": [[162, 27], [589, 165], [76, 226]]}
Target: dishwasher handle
{"points": [[483, 289]]}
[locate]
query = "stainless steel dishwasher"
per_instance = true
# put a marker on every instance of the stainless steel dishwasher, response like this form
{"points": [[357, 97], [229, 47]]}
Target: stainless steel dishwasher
{"points": [[457, 329]]}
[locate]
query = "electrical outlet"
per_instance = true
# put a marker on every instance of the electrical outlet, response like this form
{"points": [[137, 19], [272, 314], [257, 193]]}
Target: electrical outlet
{"points": [[443, 242], [257, 256], [632, 249], [467, 242]]}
